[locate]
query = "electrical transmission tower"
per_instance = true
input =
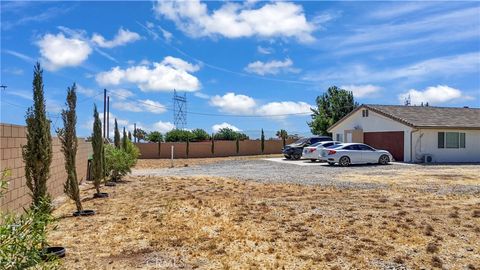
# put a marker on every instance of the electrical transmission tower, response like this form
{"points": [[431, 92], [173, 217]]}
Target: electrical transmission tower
{"points": [[179, 110]]}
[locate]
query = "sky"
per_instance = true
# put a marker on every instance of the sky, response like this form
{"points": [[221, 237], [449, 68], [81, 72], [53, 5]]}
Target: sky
{"points": [[245, 65]]}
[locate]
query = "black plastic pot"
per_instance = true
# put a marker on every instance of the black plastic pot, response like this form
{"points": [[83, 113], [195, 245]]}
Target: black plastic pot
{"points": [[83, 213], [110, 184], [100, 195], [49, 253]]}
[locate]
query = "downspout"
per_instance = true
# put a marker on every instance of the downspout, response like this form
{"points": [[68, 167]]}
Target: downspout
{"points": [[411, 144]]}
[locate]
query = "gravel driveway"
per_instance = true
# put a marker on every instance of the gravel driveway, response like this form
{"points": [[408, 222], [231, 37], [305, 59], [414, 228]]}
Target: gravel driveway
{"points": [[316, 174]]}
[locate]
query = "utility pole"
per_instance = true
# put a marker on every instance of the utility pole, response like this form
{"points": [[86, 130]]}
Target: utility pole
{"points": [[3, 87], [108, 118], [104, 112]]}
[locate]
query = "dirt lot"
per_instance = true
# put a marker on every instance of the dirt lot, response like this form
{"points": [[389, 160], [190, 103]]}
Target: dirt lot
{"points": [[208, 222], [166, 163]]}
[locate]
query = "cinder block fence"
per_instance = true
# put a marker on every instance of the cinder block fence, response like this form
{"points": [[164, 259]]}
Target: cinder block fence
{"points": [[203, 149], [12, 137]]}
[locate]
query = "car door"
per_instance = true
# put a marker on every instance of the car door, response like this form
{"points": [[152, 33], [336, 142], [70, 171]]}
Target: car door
{"points": [[369, 155], [354, 153]]}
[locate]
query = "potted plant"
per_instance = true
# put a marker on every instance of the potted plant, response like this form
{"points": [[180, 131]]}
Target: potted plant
{"points": [[68, 138]]}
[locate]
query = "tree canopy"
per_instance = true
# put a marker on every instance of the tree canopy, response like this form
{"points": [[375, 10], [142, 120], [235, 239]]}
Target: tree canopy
{"points": [[332, 106], [154, 136], [229, 134]]}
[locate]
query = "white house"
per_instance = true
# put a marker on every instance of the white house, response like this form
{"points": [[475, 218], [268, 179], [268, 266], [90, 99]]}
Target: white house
{"points": [[412, 133]]}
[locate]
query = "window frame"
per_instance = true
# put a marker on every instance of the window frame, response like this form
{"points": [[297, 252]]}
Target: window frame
{"points": [[442, 142]]}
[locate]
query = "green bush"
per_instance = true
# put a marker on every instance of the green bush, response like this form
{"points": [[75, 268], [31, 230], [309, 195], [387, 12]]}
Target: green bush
{"points": [[154, 136], [177, 135], [133, 153], [229, 134], [117, 162], [22, 237], [198, 135]]}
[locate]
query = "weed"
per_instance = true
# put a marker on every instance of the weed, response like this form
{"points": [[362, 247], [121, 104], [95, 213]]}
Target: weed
{"points": [[432, 248], [437, 262]]}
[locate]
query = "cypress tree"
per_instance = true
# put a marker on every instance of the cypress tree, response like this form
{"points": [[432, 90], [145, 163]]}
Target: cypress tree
{"points": [[68, 138], [37, 153], [124, 140], [237, 145], [116, 138], [97, 145], [129, 136], [213, 144], [187, 150], [262, 138]]}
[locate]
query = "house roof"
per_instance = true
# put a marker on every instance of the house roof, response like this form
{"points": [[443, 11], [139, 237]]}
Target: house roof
{"points": [[425, 116]]}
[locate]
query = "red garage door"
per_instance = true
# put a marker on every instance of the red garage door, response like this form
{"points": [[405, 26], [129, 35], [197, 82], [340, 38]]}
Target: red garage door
{"points": [[391, 141]]}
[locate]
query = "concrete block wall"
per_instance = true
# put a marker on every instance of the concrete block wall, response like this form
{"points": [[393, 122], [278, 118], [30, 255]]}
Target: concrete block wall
{"points": [[12, 137], [203, 149]]}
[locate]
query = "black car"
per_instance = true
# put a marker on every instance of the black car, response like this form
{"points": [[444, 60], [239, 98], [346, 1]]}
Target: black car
{"points": [[294, 150]]}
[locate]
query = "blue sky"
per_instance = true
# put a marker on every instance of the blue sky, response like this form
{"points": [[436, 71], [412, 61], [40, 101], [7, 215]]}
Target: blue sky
{"points": [[264, 60]]}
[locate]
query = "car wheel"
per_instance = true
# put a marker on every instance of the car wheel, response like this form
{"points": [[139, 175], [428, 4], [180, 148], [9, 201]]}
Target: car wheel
{"points": [[296, 156], [288, 157], [384, 160], [331, 163], [313, 160], [344, 161]]}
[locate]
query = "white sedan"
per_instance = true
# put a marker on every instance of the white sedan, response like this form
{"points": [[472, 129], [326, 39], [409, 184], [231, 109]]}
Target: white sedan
{"points": [[354, 153], [312, 152]]}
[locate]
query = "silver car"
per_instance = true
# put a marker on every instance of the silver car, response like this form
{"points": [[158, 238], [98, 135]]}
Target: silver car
{"points": [[354, 153], [312, 152]]}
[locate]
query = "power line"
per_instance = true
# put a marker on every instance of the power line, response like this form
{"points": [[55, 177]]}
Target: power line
{"points": [[215, 114]]}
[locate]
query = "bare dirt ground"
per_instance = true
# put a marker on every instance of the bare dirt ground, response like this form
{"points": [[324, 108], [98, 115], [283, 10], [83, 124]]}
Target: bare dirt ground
{"points": [[207, 222]]}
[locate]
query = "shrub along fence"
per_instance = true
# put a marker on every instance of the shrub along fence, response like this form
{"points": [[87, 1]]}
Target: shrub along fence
{"points": [[12, 137], [204, 149]]}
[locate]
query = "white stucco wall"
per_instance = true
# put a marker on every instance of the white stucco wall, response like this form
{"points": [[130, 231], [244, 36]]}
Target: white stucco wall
{"points": [[375, 123], [428, 144]]}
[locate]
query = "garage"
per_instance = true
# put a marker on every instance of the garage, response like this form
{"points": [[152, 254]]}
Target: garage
{"points": [[391, 141]]}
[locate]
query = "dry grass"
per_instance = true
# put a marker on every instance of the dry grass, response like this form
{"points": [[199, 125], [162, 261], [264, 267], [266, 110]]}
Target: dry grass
{"points": [[166, 163], [417, 176], [217, 223]]}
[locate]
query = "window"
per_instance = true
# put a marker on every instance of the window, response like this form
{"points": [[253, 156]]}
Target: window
{"points": [[365, 147], [340, 137], [441, 139], [352, 147], [327, 144], [451, 140], [364, 113]]}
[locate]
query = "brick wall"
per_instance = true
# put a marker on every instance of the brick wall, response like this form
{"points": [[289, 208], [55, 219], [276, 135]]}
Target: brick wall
{"points": [[12, 137], [203, 149]]}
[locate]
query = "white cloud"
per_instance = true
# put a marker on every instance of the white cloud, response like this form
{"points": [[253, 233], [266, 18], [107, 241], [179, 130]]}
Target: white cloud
{"points": [[234, 20], [201, 95], [240, 104], [273, 67], [163, 126], [456, 65], [433, 95], [171, 73], [58, 51], [285, 107], [121, 38], [217, 127], [362, 90], [264, 50], [233, 103], [122, 93]]}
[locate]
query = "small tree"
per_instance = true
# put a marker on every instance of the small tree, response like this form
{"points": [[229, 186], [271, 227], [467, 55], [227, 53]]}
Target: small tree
{"points": [[262, 138], [283, 135], [237, 145], [140, 134], [213, 145], [154, 136], [97, 145], [187, 149], [129, 136], [124, 139], [68, 138], [116, 137], [37, 153], [199, 134]]}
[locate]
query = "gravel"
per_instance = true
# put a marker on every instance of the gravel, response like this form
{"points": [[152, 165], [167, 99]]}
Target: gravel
{"points": [[315, 174], [274, 172]]}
